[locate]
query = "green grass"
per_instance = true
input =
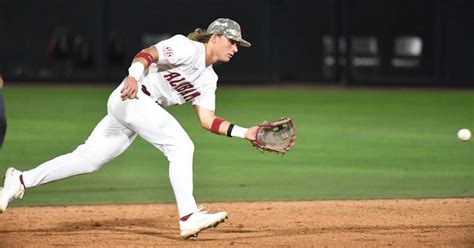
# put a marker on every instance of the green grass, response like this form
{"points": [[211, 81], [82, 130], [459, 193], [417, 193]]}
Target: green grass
{"points": [[352, 144]]}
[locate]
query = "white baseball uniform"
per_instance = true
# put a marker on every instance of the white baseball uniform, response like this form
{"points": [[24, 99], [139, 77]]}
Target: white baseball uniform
{"points": [[178, 77]]}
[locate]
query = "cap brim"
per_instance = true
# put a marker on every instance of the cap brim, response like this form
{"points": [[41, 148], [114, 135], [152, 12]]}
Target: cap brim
{"points": [[244, 43]]}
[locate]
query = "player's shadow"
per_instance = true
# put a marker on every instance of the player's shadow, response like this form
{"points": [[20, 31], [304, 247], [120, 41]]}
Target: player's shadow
{"points": [[127, 226], [122, 225], [137, 226]]}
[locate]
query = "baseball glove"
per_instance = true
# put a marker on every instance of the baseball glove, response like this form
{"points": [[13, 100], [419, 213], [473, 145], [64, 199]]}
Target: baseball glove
{"points": [[276, 136]]}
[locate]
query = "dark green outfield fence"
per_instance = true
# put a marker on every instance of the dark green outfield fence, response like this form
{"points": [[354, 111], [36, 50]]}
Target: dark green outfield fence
{"points": [[372, 42]]}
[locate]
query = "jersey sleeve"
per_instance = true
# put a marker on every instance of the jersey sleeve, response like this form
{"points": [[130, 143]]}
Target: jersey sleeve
{"points": [[207, 99], [175, 51]]}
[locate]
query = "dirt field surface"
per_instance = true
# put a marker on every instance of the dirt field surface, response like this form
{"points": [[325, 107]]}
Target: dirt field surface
{"points": [[374, 223]]}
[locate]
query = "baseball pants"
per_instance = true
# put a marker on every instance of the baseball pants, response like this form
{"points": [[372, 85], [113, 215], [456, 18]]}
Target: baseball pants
{"points": [[114, 133]]}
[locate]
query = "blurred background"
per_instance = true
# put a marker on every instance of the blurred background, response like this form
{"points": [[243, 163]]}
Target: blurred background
{"points": [[333, 42]]}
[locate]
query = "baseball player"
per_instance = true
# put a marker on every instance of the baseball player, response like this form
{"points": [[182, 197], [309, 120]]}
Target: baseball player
{"points": [[3, 117], [174, 71]]}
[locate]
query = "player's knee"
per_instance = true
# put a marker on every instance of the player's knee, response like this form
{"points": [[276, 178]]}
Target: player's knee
{"points": [[180, 150], [89, 162], [91, 168], [187, 146], [91, 165]]}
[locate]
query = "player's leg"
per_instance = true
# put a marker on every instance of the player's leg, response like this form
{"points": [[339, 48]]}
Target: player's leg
{"points": [[108, 140], [161, 129], [169, 137]]}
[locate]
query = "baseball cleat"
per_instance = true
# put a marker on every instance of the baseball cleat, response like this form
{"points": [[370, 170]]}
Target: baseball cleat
{"points": [[12, 188], [200, 221]]}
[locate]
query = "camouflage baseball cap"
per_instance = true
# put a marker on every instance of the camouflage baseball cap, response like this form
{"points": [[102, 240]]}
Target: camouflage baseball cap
{"points": [[229, 29]]}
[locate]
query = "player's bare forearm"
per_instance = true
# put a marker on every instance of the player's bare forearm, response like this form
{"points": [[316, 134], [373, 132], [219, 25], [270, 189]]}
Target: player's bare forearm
{"points": [[208, 118]]}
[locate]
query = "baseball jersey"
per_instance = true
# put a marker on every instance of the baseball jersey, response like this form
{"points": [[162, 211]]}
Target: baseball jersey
{"points": [[181, 75]]}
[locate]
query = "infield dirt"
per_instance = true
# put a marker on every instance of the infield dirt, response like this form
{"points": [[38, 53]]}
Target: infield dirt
{"points": [[374, 223]]}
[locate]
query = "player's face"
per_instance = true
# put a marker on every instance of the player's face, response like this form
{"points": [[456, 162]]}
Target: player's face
{"points": [[227, 48]]}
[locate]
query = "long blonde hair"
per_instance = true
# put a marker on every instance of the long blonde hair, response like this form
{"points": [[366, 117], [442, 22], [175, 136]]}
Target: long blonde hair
{"points": [[199, 35]]}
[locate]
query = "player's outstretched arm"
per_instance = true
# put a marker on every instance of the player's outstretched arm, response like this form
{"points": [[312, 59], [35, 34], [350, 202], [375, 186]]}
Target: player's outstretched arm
{"points": [[140, 63], [211, 122]]}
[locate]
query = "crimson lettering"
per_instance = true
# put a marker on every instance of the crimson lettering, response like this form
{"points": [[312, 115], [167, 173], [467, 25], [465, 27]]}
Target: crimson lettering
{"points": [[172, 75], [192, 96], [183, 87], [174, 82]]}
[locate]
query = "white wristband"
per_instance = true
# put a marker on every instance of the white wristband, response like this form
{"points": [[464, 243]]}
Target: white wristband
{"points": [[238, 132], [136, 70]]}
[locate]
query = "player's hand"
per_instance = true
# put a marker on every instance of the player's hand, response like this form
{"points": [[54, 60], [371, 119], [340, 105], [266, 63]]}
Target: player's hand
{"points": [[130, 89], [251, 133]]}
